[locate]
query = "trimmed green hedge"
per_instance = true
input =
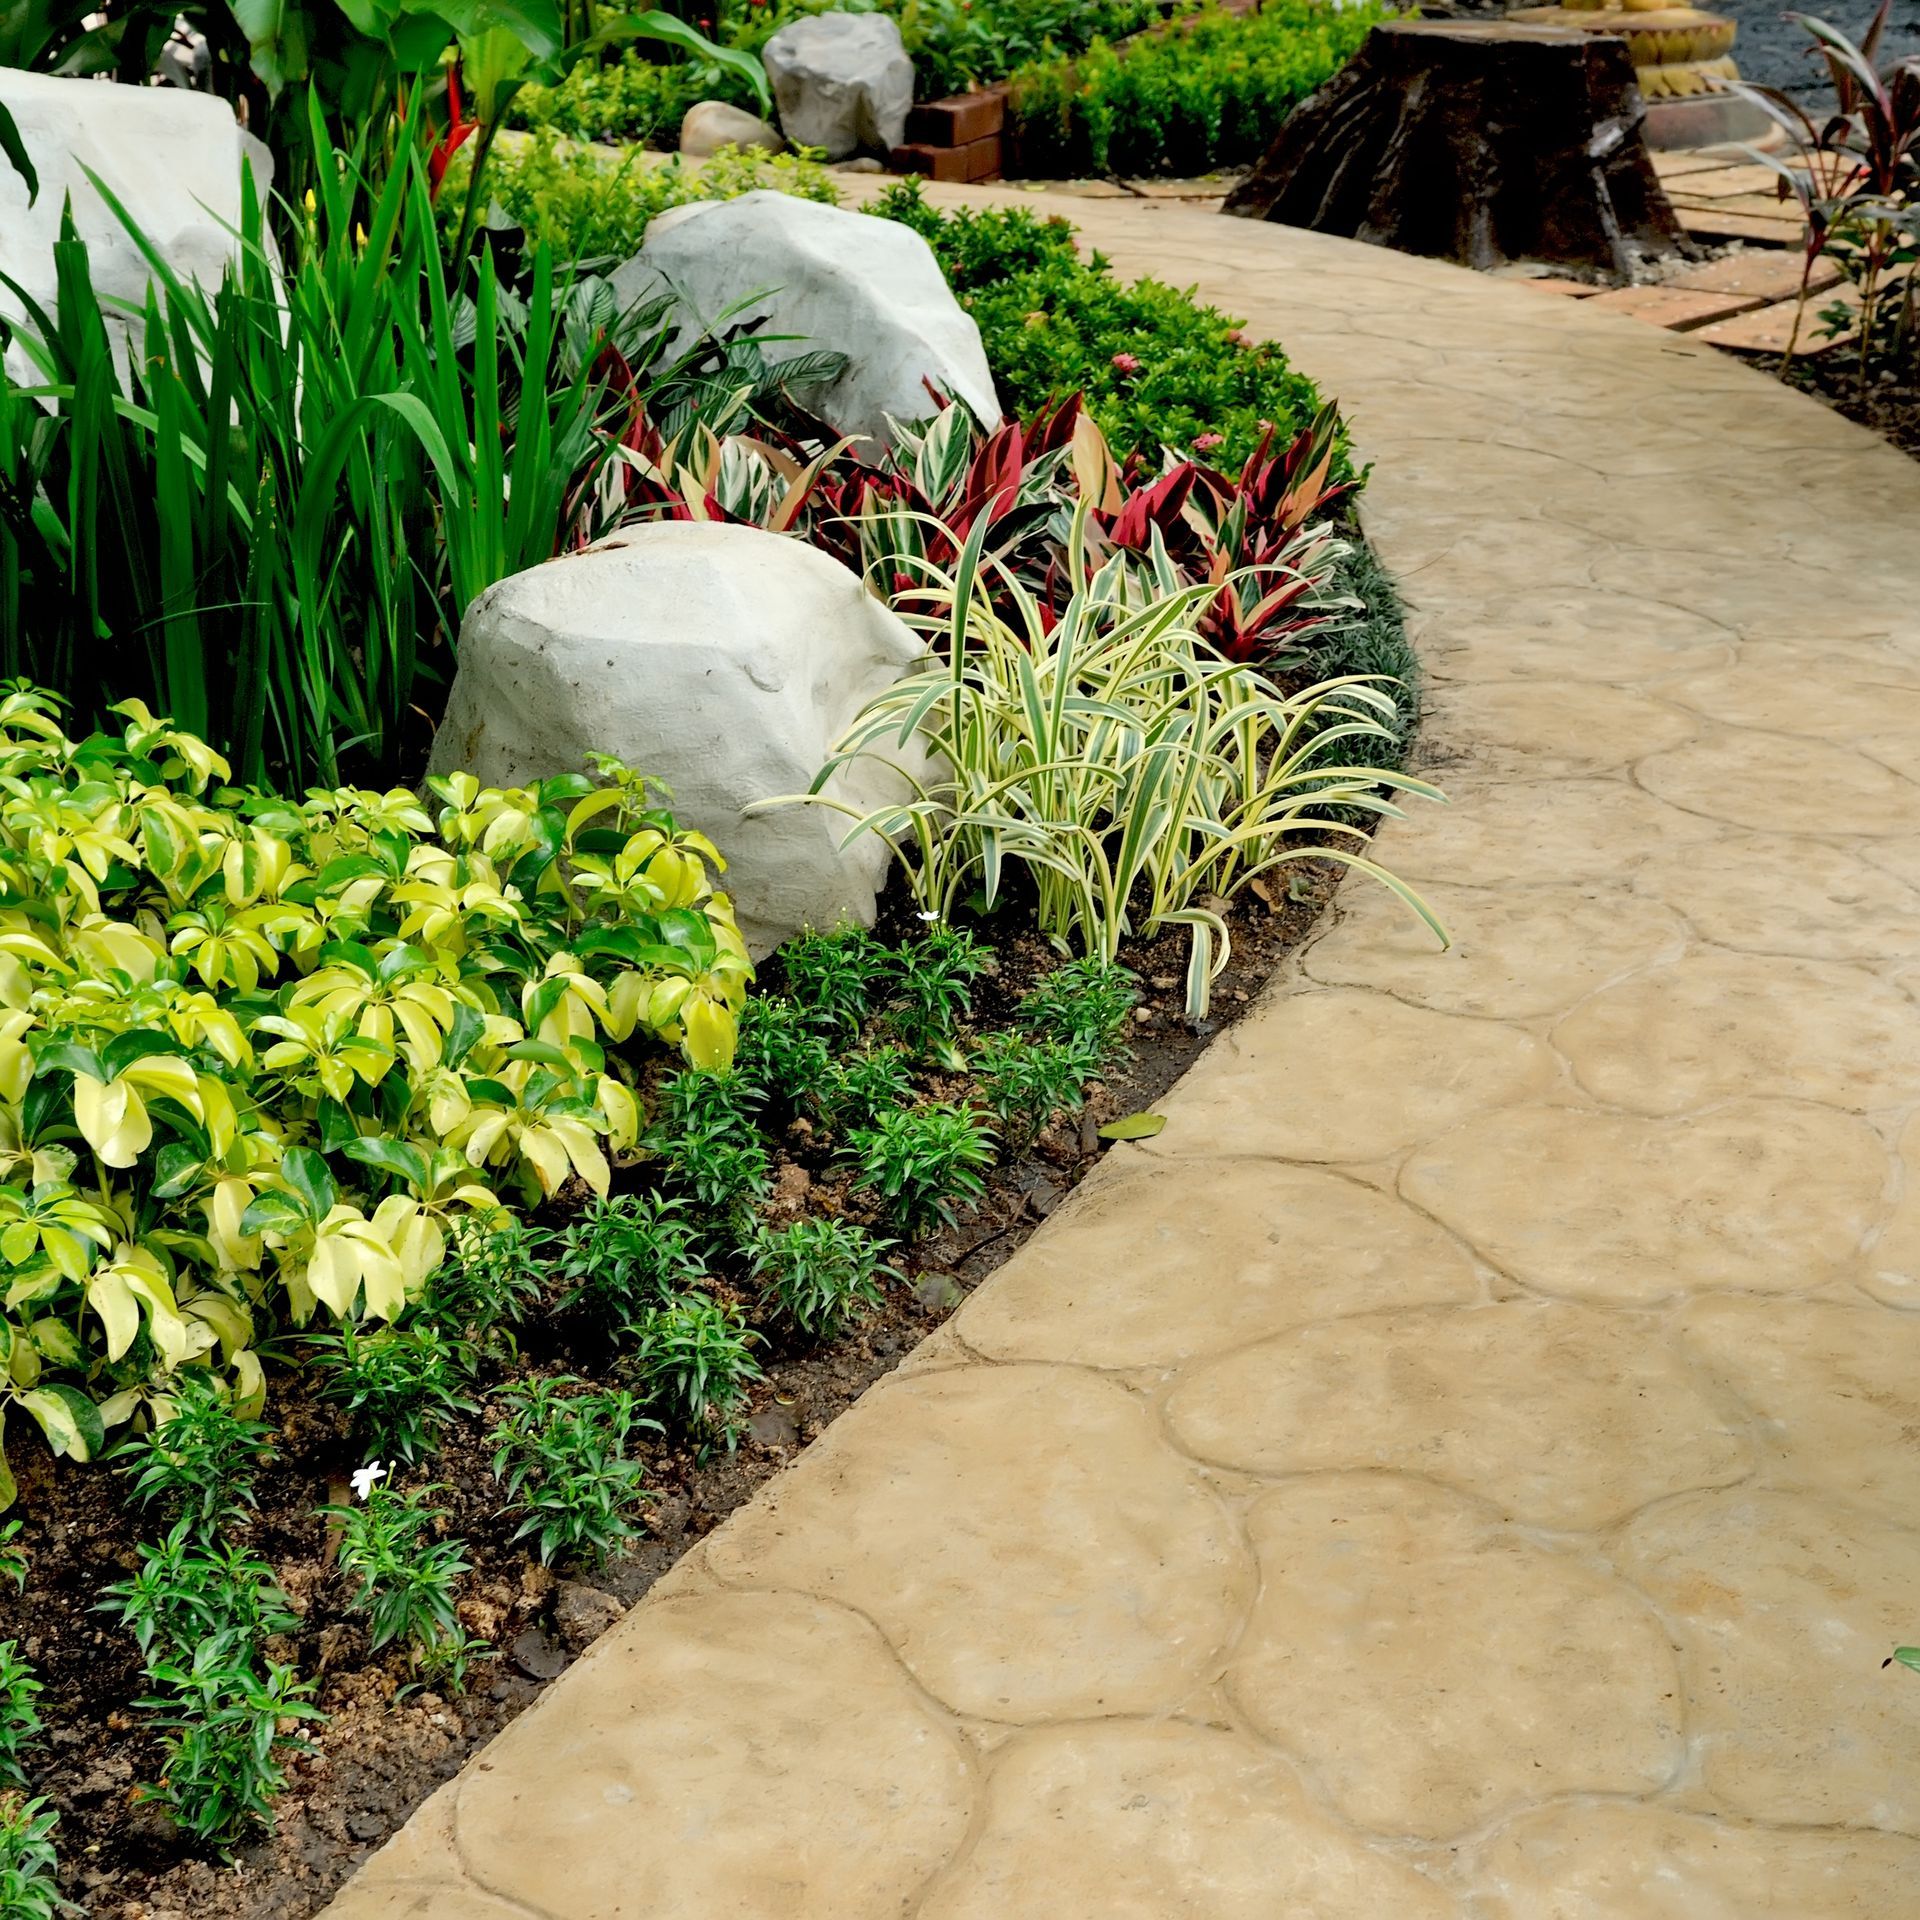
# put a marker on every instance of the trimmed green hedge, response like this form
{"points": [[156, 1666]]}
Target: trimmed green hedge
{"points": [[1205, 93]]}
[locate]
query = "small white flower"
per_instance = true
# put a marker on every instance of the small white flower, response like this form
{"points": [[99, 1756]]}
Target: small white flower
{"points": [[929, 916], [365, 1478]]}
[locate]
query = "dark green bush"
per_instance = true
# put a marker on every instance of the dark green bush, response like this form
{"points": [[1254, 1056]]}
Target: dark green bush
{"points": [[1156, 367], [1206, 92]]}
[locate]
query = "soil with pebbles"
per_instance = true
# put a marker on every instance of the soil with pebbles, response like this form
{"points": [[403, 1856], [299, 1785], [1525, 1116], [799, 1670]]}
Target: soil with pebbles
{"points": [[382, 1749]]}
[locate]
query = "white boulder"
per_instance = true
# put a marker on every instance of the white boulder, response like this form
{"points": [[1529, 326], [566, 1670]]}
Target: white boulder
{"points": [[721, 660], [841, 81], [867, 287], [709, 125], [172, 158]]}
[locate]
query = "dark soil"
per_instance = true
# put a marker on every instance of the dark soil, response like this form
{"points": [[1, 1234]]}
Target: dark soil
{"points": [[383, 1750], [1888, 401]]}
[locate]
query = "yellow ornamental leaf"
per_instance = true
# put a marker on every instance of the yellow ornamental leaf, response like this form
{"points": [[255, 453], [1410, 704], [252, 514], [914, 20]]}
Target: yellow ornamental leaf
{"points": [[620, 1110], [16, 983], [545, 1152], [483, 1133], [109, 1295], [624, 1004], [16, 1062], [381, 1274], [664, 1002], [447, 1104], [414, 1235], [216, 1109], [249, 1384], [230, 1322], [112, 1119], [333, 1272], [582, 1147], [166, 1074], [710, 1032], [234, 1249]]}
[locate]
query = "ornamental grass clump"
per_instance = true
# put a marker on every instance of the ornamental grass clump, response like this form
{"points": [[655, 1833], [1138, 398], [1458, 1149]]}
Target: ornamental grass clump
{"points": [[1136, 776]]}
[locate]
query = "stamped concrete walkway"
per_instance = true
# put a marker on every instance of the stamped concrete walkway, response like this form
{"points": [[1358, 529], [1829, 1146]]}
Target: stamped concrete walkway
{"points": [[1469, 1465]]}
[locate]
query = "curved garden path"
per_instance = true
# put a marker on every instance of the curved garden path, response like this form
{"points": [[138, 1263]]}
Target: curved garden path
{"points": [[1467, 1465]]}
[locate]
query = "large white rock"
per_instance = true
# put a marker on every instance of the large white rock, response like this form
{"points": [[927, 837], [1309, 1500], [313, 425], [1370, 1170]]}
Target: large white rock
{"points": [[868, 287], [172, 158], [841, 81], [721, 660]]}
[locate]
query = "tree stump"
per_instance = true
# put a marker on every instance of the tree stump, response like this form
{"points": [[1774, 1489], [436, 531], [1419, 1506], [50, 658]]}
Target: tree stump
{"points": [[1477, 141]]}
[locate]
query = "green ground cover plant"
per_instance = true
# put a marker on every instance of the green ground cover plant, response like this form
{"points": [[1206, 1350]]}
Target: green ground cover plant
{"points": [[406, 1572], [1207, 91], [1153, 367], [29, 1883], [624, 96]]}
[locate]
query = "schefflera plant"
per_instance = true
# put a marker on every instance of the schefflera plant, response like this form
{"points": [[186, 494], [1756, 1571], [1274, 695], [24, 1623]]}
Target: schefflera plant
{"points": [[257, 1055], [1106, 747]]}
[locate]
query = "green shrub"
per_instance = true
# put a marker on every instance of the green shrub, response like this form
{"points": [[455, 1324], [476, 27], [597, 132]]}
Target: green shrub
{"points": [[1086, 1001], [406, 1578], [225, 1745], [203, 1455], [821, 1274], [295, 1040], [1210, 90], [20, 1722], [865, 1084], [1156, 368], [921, 1162], [629, 100], [186, 1591], [561, 1454], [833, 977], [694, 1359], [401, 1386], [1026, 1082], [29, 1871], [626, 1255], [586, 204], [930, 986]]}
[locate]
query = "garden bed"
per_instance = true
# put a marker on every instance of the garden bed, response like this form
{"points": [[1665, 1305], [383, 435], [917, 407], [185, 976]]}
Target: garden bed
{"points": [[386, 1193], [383, 1749]]}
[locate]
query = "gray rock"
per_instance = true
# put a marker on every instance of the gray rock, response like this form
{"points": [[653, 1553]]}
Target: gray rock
{"points": [[709, 125], [581, 1614], [827, 277], [723, 661], [842, 81], [173, 159]]}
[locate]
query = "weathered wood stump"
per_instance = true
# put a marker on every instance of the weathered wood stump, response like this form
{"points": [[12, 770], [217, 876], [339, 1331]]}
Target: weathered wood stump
{"points": [[1478, 141]]}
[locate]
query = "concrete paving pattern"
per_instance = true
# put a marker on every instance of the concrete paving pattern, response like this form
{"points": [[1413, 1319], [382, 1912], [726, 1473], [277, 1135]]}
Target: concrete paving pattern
{"points": [[1465, 1467]]}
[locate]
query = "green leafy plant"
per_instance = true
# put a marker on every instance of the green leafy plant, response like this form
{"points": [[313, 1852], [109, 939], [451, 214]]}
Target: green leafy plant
{"points": [[225, 1748], [1112, 754], [867, 1083], [202, 1457], [782, 1055], [1088, 1001], [489, 1281], [930, 985], [296, 484], [259, 1056], [561, 1454], [402, 1386], [20, 1722], [1025, 1082], [15, 1563], [187, 1592], [834, 977], [821, 1274], [921, 1162], [1154, 366], [587, 203], [1204, 92], [29, 1868], [626, 1255], [407, 1578], [708, 1137], [694, 1359]]}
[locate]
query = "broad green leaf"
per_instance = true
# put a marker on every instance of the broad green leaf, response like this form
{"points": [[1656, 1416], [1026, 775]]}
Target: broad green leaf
{"points": [[1134, 1126], [69, 1419], [307, 1176]]}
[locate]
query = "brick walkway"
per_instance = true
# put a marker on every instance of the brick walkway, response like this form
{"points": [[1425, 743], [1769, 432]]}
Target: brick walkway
{"points": [[1464, 1469]]}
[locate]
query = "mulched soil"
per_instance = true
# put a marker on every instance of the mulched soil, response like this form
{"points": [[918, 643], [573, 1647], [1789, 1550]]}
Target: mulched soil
{"points": [[1888, 402], [382, 1751]]}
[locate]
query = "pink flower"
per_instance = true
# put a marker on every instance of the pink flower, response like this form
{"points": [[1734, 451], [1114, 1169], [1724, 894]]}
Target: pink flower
{"points": [[1125, 363], [1206, 442]]}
